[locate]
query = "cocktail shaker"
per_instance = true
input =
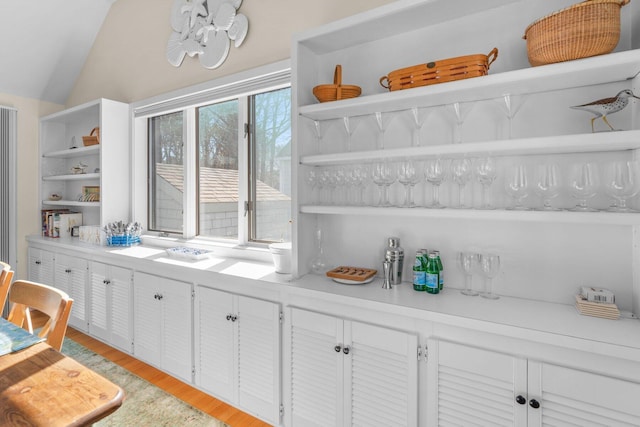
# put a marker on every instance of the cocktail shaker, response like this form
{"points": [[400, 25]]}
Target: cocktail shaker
{"points": [[395, 255]]}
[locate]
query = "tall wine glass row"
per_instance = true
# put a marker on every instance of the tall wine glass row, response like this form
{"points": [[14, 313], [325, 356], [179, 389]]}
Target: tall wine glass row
{"points": [[618, 180], [414, 119]]}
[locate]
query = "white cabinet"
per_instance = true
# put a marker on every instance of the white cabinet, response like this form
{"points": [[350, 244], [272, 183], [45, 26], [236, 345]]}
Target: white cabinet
{"points": [[40, 266], [237, 342], [111, 305], [71, 275], [61, 149], [162, 324], [477, 387], [345, 373]]}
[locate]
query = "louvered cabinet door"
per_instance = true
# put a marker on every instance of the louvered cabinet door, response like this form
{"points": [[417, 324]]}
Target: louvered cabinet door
{"points": [[146, 319], [176, 328], [71, 277], [381, 376], [119, 308], [316, 370], [99, 322], [258, 326], [474, 387], [41, 266], [216, 369], [569, 397]]}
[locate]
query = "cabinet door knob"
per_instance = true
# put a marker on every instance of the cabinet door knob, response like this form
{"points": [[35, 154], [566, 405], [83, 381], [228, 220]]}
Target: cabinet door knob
{"points": [[521, 400], [337, 348], [228, 317], [160, 296], [346, 350], [234, 318], [68, 270], [38, 262], [534, 404]]}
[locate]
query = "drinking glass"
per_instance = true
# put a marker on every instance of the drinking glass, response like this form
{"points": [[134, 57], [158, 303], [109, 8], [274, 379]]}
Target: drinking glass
{"points": [[382, 121], [319, 128], [622, 181], [461, 174], [318, 265], [490, 266], [583, 185], [434, 172], [516, 186], [362, 175], [384, 174], [468, 264], [339, 181], [510, 105], [350, 126], [311, 178], [408, 176], [486, 172], [547, 184], [460, 111], [418, 118]]}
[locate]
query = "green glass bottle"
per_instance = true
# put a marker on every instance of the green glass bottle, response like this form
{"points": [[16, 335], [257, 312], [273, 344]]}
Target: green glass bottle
{"points": [[418, 273], [432, 275], [440, 270]]}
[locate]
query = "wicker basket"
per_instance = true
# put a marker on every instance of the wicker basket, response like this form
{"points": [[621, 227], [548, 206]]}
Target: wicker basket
{"points": [[93, 138], [337, 90], [446, 70], [585, 29]]}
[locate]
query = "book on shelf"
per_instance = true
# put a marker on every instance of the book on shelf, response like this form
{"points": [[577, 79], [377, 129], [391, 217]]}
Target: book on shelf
{"points": [[59, 222]]}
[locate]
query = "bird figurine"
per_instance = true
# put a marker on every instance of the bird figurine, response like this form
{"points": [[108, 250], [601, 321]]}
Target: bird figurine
{"points": [[606, 106]]}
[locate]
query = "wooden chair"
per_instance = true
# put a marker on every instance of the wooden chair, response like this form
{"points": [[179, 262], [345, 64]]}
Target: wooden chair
{"points": [[54, 303], [6, 276]]}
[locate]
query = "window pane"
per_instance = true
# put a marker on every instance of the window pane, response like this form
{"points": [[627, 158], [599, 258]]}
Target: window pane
{"points": [[272, 168], [166, 173], [218, 170]]}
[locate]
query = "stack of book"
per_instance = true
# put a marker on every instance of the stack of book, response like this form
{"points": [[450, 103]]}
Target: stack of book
{"points": [[59, 222], [597, 302]]}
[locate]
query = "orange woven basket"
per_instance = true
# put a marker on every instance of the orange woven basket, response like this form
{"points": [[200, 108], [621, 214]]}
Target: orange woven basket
{"points": [[585, 29], [93, 138], [446, 70], [336, 91]]}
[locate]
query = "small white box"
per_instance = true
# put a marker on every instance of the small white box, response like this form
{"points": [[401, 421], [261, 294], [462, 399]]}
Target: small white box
{"points": [[598, 295], [93, 234]]}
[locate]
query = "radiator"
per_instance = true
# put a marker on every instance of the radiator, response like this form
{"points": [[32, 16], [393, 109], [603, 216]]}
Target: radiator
{"points": [[8, 182]]}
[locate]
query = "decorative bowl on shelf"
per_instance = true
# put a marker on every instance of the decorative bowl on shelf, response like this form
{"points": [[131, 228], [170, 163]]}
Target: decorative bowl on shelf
{"points": [[55, 197]]}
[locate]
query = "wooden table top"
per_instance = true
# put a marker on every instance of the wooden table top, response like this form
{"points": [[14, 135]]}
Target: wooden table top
{"points": [[40, 386]]}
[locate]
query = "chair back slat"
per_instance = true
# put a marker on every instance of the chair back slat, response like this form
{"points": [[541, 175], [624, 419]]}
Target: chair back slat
{"points": [[6, 276]]}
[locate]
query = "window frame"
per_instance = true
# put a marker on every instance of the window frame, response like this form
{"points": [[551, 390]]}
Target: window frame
{"points": [[238, 86]]}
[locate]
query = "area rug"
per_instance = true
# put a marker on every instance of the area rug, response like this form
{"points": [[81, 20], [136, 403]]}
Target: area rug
{"points": [[144, 404]]}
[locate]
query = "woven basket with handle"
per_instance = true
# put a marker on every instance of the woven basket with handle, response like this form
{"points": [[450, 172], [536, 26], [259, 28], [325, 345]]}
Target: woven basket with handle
{"points": [[336, 91], [93, 138], [585, 29]]}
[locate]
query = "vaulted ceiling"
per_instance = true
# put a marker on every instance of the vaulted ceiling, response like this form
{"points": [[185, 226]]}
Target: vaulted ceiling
{"points": [[44, 45]]}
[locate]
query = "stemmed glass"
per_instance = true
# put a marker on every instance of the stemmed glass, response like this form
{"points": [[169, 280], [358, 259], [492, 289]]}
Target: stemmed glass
{"points": [[516, 186], [434, 172], [350, 126], [460, 111], [318, 265], [510, 105], [319, 127], [418, 118], [486, 172], [547, 184], [461, 174], [384, 174], [408, 176], [468, 263], [490, 266], [361, 174], [382, 121], [311, 178], [622, 181], [584, 185]]}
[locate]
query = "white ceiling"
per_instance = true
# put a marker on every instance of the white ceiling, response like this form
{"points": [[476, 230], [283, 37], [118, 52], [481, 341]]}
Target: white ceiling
{"points": [[44, 45]]}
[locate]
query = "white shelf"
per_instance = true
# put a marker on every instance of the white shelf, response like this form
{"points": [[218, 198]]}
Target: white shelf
{"points": [[602, 218], [72, 177], [74, 152], [584, 72], [70, 203], [580, 143]]}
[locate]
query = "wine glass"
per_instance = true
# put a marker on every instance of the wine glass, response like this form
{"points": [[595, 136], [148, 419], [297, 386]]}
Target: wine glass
{"points": [[516, 186], [510, 105], [486, 172], [622, 181], [547, 184], [362, 175], [418, 118], [382, 121], [350, 126], [460, 111], [468, 264], [319, 128], [461, 174], [434, 172], [311, 178], [584, 185], [490, 266], [408, 176], [318, 265], [384, 174]]}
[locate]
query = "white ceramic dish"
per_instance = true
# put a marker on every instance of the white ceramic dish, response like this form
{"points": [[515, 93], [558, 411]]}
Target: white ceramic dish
{"points": [[352, 282]]}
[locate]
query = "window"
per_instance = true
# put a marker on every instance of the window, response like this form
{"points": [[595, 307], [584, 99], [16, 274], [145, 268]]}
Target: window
{"points": [[221, 168]]}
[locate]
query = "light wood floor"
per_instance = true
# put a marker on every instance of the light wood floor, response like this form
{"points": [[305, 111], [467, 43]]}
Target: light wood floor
{"points": [[185, 392]]}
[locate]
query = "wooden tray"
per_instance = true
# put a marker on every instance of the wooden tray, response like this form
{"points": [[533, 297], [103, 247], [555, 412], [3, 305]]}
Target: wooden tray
{"points": [[446, 70], [356, 274]]}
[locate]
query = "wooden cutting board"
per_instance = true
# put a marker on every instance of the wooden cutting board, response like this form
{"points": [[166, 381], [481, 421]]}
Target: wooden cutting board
{"points": [[357, 274]]}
